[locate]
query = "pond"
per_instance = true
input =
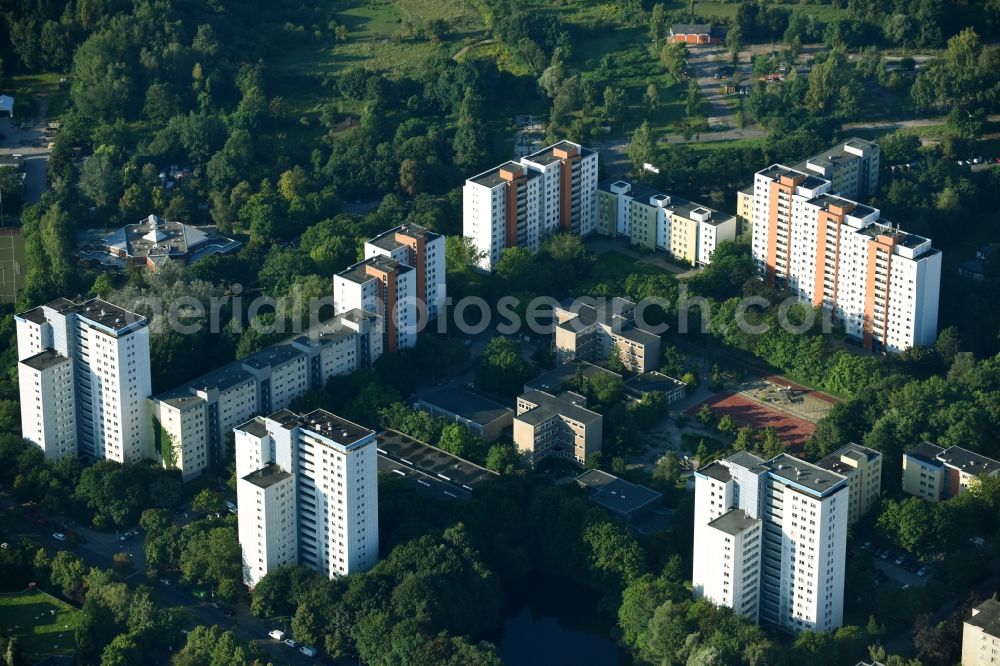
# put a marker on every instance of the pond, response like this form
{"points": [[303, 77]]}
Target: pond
{"points": [[556, 622]]}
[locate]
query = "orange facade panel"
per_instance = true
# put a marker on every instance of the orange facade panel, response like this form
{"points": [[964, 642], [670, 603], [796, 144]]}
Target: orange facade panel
{"points": [[881, 245], [566, 193], [823, 221], [387, 297]]}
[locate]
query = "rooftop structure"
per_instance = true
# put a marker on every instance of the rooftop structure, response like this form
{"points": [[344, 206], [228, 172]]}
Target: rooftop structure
{"points": [[981, 634], [484, 417], [559, 378], [654, 381], [154, 239], [617, 495]]}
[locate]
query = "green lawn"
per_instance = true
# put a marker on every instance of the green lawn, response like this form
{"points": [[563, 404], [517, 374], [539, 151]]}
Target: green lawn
{"points": [[614, 266], [505, 59], [707, 10], [298, 72], [24, 87], [43, 624]]}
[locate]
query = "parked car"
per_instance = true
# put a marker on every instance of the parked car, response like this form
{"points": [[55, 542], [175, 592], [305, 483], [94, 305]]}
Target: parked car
{"points": [[58, 536], [290, 643], [165, 581], [900, 559], [977, 541], [922, 571], [277, 634], [866, 545], [308, 650]]}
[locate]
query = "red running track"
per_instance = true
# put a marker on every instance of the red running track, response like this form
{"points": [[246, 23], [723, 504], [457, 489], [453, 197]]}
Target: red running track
{"points": [[745, 412]]}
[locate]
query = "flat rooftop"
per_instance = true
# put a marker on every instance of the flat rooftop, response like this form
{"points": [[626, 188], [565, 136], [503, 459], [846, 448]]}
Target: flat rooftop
{"points": [[615, 494], [716, 470], [813, 478], [776, 171], [491, 178], [746, 460], [267, 476], [648, 382], [272, 357], [968, 461], [34, 315], [606, 312], [986, 616], [96, 311], [926, 452], [254, 426], [387, 239], [838, 154], [431, 460], [467, 404], [45, 360], [547, 156], [903, 238], [834, 462], [549, 405], [636, 334], [359, 273], [555, 380], [334, 428], [734, 521]]}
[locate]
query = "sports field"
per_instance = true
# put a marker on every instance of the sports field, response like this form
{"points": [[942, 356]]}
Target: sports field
{"points": [[11, 263], [745, 412], [44, 625]]}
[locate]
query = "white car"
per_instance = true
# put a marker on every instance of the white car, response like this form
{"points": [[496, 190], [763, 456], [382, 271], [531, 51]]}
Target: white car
{"points": [[276, 634], [58, 536], [922, 571], [289, 642]]}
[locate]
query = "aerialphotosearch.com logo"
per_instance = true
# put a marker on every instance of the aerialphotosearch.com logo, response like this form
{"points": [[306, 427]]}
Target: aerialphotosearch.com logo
{"points": [[296, 314]]}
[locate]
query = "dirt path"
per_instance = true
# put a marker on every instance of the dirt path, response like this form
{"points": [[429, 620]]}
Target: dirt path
{"points": [[465, 49]]}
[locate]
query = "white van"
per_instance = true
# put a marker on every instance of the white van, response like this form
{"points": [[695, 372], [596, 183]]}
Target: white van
{"points": [[308, 650], [231, 506], [277, 634]]}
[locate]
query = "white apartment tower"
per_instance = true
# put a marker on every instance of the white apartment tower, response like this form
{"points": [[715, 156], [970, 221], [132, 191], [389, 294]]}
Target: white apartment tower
{"points": [[84, 379], [518, 204], [387, 287], [421, 249], [307, 493], [770, 540], [880, 282]]}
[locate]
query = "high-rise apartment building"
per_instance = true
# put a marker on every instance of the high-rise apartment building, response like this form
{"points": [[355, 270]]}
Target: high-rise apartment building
{"points": [[770, 540], [193, 423], [851, 167], [685, 230], [421, 249], [385, 286], [84, 379], [307, 494], [518, 204], [981, 635], [880, 282], [862, 467]]}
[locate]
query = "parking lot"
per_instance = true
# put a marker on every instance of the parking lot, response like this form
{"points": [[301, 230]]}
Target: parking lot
{"points": [[430, 468], [893, 566]]}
